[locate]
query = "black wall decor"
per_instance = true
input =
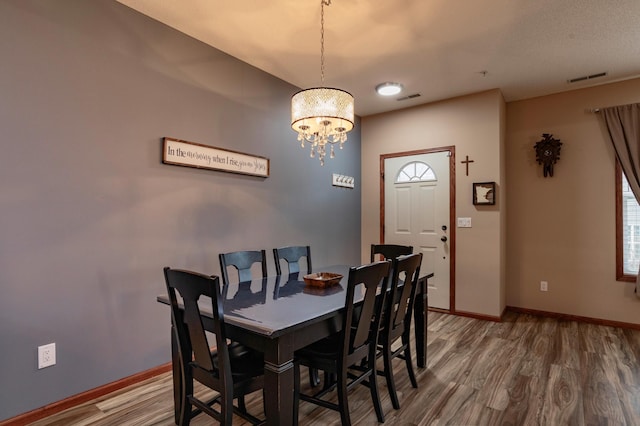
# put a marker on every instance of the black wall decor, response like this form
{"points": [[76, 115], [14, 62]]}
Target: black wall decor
{"points": [[547, 153]]}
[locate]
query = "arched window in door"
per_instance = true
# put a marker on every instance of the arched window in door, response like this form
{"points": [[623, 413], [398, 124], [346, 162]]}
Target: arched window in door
{"points": [[416, 171]]}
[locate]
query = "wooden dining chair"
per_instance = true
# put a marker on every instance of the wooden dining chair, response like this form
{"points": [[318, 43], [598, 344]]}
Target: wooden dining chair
{"points": [[389, 251], [349, 355], [242, 261], [292, 255], [231, 370], [396, 323]]}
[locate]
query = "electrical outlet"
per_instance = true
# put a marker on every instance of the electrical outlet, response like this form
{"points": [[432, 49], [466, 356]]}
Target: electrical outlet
{"points": [[464, 222], [46, 355], [544, 286]]}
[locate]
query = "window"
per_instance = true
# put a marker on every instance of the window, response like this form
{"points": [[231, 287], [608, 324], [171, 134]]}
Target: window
{"points": [[628, 229], [416, 171]]}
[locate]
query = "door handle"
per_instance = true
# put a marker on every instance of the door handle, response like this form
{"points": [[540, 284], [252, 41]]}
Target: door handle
{"points": [[443, 239]]}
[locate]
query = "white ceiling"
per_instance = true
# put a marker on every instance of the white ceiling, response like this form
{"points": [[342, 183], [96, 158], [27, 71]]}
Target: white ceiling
{"points": [[437, 48]]}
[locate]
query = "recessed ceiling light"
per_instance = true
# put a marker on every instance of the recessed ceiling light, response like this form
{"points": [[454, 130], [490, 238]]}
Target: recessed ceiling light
{"points": [[389, 89]]}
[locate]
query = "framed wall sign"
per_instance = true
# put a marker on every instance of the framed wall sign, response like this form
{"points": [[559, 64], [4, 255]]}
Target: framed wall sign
{"points": [[484, 193], [190, 154]]}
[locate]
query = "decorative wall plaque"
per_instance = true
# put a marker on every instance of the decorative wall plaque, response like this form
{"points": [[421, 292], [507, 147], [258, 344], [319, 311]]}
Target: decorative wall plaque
{"points": [[190, 154], [484, 193]]}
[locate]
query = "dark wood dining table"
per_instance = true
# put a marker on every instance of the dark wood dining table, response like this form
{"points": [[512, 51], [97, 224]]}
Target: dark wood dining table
{"points": [[279, 315]]}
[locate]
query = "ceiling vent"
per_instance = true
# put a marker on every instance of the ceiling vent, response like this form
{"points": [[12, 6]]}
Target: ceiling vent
{"points": [[415, 95], [586, 77]]}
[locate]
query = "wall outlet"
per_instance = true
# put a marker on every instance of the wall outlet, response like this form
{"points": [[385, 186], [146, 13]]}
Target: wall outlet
{"points": [[544, 286], [464, 222], [46, 355]]}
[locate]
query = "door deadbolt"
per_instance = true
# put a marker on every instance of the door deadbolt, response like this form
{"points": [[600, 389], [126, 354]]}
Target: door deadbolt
{"points": [[444, 227]]}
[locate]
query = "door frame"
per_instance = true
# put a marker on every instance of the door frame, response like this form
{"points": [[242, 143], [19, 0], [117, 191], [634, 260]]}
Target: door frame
{"points": [[452, 212]]}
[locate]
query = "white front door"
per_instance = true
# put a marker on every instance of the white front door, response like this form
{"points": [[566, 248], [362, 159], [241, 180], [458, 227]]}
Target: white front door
{"points": [[416, 213]]}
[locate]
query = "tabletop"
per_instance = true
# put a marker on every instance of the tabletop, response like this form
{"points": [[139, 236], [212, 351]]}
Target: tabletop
{"points": [[272, 306]]}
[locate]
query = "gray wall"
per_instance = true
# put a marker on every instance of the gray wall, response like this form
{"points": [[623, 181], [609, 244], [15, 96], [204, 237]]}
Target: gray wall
{"points": [[90, 215]]}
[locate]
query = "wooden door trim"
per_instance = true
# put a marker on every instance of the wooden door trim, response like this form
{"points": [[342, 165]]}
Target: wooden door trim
{"points": [[452, 209]]}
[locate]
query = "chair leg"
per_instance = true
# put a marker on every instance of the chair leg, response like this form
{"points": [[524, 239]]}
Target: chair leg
{"points": [[329, 380], [409, 361], [373, 387], [314, 378], [178, 376], [343, 402], [185, 412], [388, 373], [241, 404], [296, 390], [187, 392], [226, 410]]}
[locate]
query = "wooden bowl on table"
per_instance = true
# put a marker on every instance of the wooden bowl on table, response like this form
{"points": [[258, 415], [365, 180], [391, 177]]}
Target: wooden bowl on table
{"points": [[322, 279]]}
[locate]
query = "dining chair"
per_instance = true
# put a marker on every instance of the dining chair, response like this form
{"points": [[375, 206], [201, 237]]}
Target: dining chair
{"points": [[292, 255], [242, 261], [231, 370], [396, 322], [350, 354], [389, 251]]}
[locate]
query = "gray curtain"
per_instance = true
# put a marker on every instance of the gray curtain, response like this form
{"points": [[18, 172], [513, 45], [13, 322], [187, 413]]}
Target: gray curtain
{"points": [[623, 124]]}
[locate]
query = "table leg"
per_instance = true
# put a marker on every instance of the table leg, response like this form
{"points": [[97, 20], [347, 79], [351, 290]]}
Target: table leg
{"points": [[279, 387], [420, 322]]}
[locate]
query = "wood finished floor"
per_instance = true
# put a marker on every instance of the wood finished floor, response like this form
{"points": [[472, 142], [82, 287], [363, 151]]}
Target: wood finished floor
{"points": [[526, 370]]}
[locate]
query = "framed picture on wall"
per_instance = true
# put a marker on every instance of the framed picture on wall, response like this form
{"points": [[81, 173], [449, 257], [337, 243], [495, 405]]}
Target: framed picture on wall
{"points": [[190, 154], [484, 193]]}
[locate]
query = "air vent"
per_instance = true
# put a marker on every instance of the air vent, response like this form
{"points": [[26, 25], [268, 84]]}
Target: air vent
{"points": [[586, 77], [415, 95]]}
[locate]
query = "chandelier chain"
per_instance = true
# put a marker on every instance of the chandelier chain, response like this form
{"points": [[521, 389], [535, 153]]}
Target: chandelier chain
{"points": [[322, 4]]}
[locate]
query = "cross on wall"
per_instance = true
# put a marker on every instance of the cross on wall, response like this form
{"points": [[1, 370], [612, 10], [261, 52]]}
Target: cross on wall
{"points": [[466, 163]]}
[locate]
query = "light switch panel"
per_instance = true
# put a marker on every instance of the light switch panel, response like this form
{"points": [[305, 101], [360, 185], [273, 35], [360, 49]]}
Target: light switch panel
{"points": [[464, 222]]}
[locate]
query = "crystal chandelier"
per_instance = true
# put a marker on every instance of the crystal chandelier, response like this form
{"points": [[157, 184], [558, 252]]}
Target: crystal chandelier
{"points": [[322, 116]]}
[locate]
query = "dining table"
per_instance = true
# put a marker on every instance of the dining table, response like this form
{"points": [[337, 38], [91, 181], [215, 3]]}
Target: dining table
{"points": [[278, 315]]}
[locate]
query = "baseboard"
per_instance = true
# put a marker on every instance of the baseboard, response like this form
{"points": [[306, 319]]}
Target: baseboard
{"points": [[81, 398], [468, 314], [477, 316], [538, 313], [440, 311], [578, 318]]}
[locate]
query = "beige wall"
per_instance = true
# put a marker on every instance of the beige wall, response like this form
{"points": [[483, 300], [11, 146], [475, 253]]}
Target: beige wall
{"points": [[559, 229], [475, 126], [562, 229]]}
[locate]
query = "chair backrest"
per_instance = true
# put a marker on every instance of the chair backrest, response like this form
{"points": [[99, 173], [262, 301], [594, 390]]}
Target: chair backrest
{"points": [[397, 316], [389, 251], [192, 339], [292, 255], [360, 327], [242, 261]]}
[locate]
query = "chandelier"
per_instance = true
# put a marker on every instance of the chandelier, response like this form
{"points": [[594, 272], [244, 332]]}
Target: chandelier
{"points": [[322, 115]]}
